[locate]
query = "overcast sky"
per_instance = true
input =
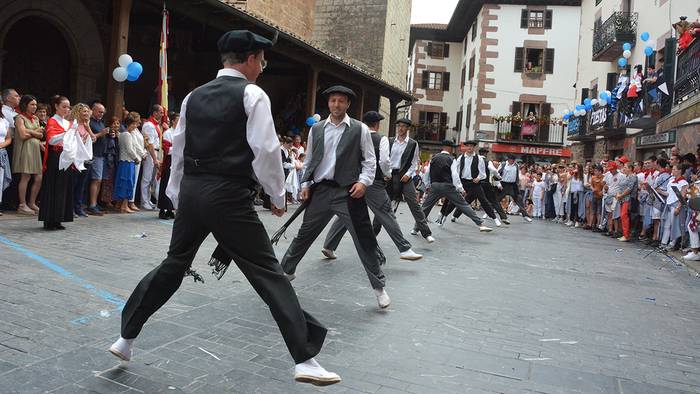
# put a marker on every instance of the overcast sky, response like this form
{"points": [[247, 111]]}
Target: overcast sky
{"points": [[432, 11]]}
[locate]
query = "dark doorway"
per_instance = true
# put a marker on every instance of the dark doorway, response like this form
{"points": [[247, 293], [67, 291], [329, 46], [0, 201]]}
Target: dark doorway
{"points": [[37, 59]]}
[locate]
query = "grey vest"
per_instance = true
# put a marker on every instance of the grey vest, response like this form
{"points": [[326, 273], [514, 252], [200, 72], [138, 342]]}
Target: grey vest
{"points": [[348, 154]]}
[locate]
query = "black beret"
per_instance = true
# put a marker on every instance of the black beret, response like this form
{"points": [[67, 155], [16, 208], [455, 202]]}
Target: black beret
{"points": [[339, 89], [471, 142], [405, 121], [448, 143], [372, 117], [483, 150], [240, 41]]}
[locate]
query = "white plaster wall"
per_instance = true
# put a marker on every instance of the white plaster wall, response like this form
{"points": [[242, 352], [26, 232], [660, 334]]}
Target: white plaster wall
{"points": [[453, 64], [562, 37], [470, 86]]}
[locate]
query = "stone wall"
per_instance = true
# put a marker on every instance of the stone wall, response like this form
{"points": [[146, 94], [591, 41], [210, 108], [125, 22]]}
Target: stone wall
{"points": [[296, 16], [354, 30], [396, 40]]}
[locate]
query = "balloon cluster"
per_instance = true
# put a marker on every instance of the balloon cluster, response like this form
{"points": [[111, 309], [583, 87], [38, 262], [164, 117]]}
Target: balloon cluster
{"points": [[311, 120], [627, 50], [128, 69], [588, 104]]}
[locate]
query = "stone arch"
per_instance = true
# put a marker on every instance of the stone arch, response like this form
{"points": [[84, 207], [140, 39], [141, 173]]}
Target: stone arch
{"points": [[80, 32]]}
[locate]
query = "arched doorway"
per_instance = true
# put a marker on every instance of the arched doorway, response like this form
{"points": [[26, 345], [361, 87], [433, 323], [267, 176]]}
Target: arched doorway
{"points": [[37, 59], [68, 24]]}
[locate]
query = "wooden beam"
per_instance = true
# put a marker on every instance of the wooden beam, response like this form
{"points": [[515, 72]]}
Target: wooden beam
{"points": [[121, 11], [360, 103], [311, 87]]}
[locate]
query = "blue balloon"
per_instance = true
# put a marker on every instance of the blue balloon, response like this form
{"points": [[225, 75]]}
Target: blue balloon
{"points": [[131, 77], [134, 68], [603, 102], [648, 51], [587, 101], [588, 106], [645, 36], [580, 107], [622, 62], [310, 121], [626, 46]]}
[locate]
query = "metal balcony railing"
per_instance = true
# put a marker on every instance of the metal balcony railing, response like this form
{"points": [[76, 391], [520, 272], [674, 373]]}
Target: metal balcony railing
{"points": [[687, 82], [609, 36], [518, 131]]}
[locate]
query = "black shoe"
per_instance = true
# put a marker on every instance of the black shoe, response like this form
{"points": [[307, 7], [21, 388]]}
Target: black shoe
{"points": [[170, 214], [59, 226], [655, 244], [162, 215]]}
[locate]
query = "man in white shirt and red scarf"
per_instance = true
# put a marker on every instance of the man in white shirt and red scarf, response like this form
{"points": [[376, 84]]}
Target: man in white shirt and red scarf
{"points": [[152, 134]]}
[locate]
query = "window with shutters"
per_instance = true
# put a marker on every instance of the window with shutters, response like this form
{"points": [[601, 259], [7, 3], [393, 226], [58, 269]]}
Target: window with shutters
{"points": [[472, 64], [458, 125], [474, 30], [464, 76], [536, 19], [534, 60], [438, 49], [434, 80]]}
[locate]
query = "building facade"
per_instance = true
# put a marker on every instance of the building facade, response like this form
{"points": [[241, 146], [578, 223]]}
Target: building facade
{"points": [[507, 76], [664, 113]]}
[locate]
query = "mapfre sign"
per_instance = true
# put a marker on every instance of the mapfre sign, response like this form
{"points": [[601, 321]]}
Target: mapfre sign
{"points": [[531, 150]]}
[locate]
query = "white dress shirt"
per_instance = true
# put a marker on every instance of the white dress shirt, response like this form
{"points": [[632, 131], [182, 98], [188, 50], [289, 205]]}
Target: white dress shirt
{"points": [[168, 136], [467, 170], [9, 115], [331, 137], [261, 136], [494, 175], [510, 173], [384, 161], [397, 150], [149, 130]]}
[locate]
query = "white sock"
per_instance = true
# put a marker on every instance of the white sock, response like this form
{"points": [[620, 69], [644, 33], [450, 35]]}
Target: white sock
{"points": [[311, 363]]}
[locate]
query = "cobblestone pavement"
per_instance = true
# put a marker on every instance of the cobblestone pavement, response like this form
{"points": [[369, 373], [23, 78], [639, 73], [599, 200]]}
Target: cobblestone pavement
{"points": [[530, 308]]}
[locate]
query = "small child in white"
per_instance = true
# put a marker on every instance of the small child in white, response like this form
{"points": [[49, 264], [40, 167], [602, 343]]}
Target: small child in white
{"points": [[538, 196]]}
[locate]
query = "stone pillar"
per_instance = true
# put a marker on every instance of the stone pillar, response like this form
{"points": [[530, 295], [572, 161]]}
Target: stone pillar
{"points": [[121, 10]]}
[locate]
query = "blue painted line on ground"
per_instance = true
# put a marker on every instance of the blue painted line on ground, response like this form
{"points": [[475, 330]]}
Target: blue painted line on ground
{"points": [[105, 295]]}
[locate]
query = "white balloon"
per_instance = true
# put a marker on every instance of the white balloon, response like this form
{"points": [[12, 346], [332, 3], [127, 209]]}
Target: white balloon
{"points": [[603, 102], [594, 101], [626, 54], [119, 74], [317, 117], [125, 60], [608, 93]]}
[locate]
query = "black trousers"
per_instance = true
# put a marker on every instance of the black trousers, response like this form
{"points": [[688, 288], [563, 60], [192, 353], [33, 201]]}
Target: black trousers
{"points": [[224, 207], [512, 189], [474, 192], [492, 195]]}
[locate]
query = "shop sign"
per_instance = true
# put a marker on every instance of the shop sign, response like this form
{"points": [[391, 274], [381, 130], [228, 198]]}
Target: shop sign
{"points": [[657, 139], [531, 150], [598, 118]]}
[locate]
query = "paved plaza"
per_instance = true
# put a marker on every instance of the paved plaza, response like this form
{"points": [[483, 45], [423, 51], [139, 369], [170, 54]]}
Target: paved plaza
{"points": [[528, 308]]}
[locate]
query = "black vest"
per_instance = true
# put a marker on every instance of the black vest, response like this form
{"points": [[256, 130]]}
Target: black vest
{"points": [[216, 141], [348, 156], [474, 166], [407, 156], [441, 168], [378, 175]]}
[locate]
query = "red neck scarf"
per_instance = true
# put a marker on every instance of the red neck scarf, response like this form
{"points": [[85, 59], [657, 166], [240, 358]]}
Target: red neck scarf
{"points": [[155, 123], [28, 116], [680, 178]]}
